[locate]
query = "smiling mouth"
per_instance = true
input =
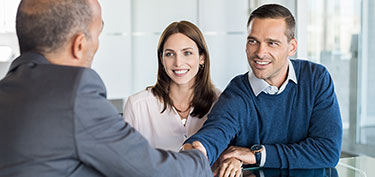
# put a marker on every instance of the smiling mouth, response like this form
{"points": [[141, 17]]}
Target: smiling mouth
{"points": [[262, 62], [180, 72]]}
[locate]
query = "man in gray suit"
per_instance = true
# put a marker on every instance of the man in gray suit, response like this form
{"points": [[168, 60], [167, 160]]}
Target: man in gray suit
{"points": [[54, 116]]}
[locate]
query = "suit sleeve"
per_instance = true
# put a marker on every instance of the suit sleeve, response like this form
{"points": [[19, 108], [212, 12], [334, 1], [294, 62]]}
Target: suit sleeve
{"points": [[107, 143], [321, 149]]}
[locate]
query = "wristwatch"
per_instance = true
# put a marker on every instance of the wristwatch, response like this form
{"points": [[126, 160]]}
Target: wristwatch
{"points": [[257, 150]]}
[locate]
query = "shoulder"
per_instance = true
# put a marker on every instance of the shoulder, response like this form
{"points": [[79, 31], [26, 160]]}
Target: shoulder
{"points": [[239, 86], [236, 93], [142, 97], [69, 79], [305, 68], [299, 65], [89, 81], [217, 92], [238, 81]]}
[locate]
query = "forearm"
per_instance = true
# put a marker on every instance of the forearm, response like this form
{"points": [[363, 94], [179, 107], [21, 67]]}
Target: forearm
{"points": [[310, 153]]}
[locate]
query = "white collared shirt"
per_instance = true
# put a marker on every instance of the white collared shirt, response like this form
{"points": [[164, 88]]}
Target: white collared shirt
{"points": [[259, 85]]}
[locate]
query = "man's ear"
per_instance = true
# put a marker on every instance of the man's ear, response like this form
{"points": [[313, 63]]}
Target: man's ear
{"points": [[292, 47], [79, 43]]}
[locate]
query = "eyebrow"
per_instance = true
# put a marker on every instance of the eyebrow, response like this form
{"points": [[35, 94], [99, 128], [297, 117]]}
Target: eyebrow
{"points": [[273, 40], [251, 37], [187, 48], [169, 50], [268, 39]]}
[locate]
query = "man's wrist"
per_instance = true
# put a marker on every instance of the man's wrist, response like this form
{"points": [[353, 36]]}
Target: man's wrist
{"points": [[257, 151]]}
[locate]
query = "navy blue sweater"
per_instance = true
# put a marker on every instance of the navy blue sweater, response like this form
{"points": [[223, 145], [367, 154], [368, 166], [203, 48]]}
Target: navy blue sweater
{"points": [[300, 127]]}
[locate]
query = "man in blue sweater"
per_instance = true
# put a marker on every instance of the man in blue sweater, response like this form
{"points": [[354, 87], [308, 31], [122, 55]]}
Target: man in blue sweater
{"points": [[281, 114]]}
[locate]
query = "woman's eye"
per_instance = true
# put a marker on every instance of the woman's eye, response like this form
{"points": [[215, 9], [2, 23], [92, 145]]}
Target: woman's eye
{"points": [[169, 54]]}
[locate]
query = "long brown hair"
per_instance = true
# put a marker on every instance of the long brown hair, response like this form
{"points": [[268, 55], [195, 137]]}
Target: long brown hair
{"points": [[204, 93]]}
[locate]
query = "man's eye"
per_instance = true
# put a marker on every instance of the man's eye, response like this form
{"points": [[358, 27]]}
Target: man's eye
{"points": [[187, 53], [273, 44], [251, 41]]}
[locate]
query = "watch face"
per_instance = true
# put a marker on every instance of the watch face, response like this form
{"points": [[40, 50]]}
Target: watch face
{"points": [[256, 147]]}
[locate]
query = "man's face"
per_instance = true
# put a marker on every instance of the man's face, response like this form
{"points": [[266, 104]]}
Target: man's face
{"points": [[268, 49], [94, 30]]}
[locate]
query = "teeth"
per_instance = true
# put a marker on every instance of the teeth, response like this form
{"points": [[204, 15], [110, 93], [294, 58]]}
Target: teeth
{"points": [[262, 63], [180, 71]]}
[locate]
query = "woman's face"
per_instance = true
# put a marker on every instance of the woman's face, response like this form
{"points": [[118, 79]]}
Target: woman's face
{"points": [[181, 59]]}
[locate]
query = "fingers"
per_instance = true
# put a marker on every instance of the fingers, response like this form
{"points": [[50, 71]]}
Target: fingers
{"points": [[230, 168], [215, 168], [243, 154], [239, 172]]}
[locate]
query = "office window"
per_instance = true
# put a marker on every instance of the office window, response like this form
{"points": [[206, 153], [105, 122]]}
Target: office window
{"points": [[332, 40], [338, 36], [367, 76]]}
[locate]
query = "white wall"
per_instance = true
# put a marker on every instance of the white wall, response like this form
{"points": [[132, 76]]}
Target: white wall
{"points": [[113, 59], [127, 58], [8, 37]]}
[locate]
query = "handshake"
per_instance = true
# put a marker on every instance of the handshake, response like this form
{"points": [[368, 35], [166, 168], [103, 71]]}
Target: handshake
{"points": [[229, 164], [195, 145]]}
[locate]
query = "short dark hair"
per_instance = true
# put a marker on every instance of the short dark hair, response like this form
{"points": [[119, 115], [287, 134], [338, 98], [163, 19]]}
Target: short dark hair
{"points": [[276, 11], [46, 26], [204, 93]]}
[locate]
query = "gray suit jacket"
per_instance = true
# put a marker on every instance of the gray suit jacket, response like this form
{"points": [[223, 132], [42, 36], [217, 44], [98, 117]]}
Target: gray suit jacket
{"points": [[55, 121]]}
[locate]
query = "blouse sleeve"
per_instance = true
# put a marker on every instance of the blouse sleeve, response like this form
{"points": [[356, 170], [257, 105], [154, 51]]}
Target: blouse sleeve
{"points": [[129, 115]]}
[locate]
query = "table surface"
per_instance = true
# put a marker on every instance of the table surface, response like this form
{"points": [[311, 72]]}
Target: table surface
{"points": [[361, 166]]}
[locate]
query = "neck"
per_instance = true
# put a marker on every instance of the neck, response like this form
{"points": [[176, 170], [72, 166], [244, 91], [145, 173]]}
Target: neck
{"points": [[279, 77], [181, 96], [63, 57]]}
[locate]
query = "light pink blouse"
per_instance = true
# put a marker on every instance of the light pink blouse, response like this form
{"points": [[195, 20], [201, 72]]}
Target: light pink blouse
{"points": [[162, 130]]}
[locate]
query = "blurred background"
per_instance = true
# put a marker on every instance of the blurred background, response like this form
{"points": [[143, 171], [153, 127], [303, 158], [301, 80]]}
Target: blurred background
{"points": [[336, 33]]}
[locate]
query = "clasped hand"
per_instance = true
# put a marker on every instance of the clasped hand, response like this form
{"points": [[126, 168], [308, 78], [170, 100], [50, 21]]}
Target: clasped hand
{"points": [[229, 164]]}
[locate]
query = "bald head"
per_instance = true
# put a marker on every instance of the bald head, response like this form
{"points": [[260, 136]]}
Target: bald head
{"points": [[46, 26]]}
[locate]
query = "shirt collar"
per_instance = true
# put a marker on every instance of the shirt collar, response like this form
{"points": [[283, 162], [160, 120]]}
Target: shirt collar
{"points": [[259, 85]]}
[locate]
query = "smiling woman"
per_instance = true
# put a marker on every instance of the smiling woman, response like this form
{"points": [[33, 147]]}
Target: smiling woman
{"points": [[176, 106], [181, 60]]}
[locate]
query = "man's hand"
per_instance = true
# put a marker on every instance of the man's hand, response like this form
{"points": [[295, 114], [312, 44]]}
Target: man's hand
{"points": [[195, 145], [231, 167], [240, 153], [186, 146]]}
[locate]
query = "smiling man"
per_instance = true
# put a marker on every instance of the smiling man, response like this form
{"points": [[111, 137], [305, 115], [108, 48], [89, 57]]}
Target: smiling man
{"points": [[283, 113]]}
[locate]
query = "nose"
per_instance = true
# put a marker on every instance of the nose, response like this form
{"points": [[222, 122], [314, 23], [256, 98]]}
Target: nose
{"points": [[178, 60], [261, 51]]}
